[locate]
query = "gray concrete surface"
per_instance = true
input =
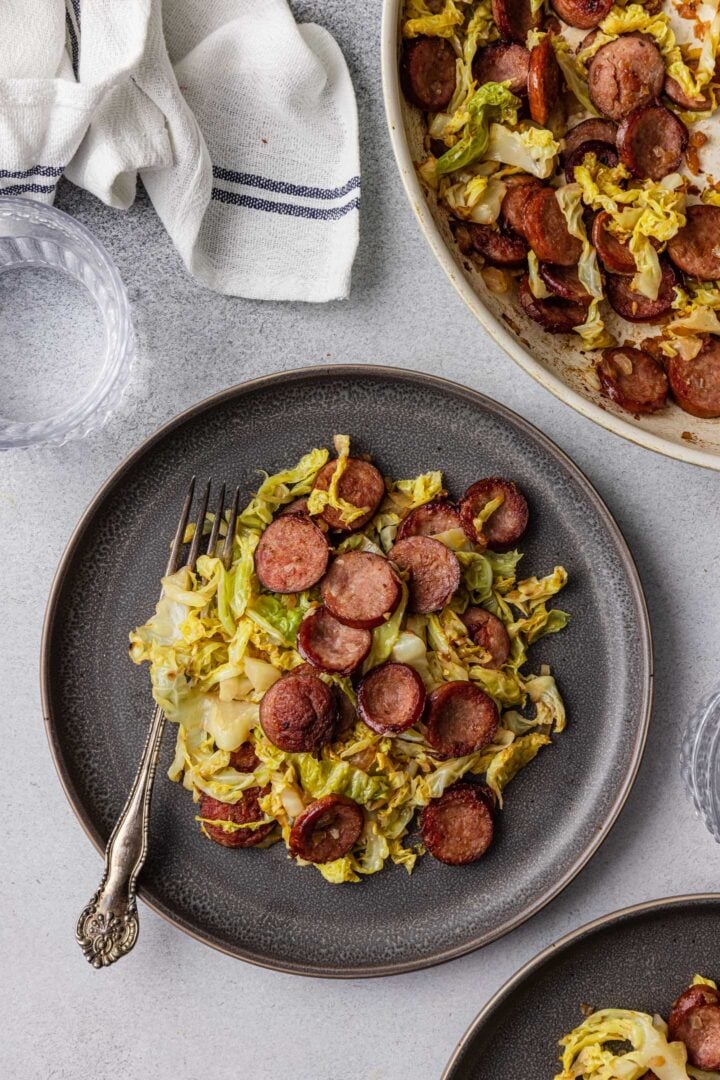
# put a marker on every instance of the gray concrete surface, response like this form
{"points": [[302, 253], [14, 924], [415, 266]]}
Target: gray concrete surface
{"points": [[175, 1010]]}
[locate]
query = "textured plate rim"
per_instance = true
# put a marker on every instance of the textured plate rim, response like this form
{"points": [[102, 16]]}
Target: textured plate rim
{"points": [[503, 337], [474, 397], [523, 973]]}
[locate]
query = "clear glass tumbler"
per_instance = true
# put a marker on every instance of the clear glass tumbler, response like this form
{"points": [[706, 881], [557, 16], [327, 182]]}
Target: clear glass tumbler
{"points": [[700, 762], [34, 236]]}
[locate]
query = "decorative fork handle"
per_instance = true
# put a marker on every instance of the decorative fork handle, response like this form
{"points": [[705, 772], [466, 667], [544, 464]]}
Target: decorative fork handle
{"points": [[108, 926]]}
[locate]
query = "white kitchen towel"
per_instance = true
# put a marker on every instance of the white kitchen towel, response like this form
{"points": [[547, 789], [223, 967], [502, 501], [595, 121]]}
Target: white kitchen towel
{"points": [[241, 122]]}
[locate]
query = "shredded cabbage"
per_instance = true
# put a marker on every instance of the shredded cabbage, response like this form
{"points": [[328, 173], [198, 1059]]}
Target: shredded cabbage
{"points": [[588, 1051], [489, 103], [532, 149]]}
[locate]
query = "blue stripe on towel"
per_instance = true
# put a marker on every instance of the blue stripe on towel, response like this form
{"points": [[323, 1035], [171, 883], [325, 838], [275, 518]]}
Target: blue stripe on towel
{"points": [[41, 170], [280, 187], [317, 213], [74, 44], [22, 189]]}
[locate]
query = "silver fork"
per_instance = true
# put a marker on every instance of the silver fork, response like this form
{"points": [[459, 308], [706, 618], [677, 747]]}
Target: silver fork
{"points": [[108, 926]]}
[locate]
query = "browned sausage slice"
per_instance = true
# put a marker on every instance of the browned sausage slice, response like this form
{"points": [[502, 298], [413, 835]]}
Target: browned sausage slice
{"points": [[489, 632], [544, 81], [633, 379], [635, 307], [430, 519], [699, 1029], [297, 506], [565, 283], [695, 249], [361, 589], [614, 255], [696, 383], [244, 759], [292, 554], [245, 810], [329, 645], [326, 829], [458, 827], [428, 72], [434, 572], [502, 62], [461, 719], [625, 74], [555, 316], [361, 485], [582, 13], [604, 152], [596, 129], [298, 713], [506, 525], [514, 19], [547, 231], [690, 998], [519, 189], [677, 95], [652, 141], [391, 698], [497, 246]]}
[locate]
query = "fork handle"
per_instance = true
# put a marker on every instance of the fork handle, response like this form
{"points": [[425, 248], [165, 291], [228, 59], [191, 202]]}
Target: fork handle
{"points": [[108, 926]]}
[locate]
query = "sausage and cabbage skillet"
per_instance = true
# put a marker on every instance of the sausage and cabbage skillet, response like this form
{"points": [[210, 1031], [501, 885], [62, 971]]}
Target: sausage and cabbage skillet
{"points": [[565, 140], [615, 1043], [360, 662]]}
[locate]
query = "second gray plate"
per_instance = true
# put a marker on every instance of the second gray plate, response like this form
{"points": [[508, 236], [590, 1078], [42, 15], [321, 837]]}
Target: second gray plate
{"points": [[256, 904]]}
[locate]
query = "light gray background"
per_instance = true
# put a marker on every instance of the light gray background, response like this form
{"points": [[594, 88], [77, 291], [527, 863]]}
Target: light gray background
{"points": [[174, 1009]]}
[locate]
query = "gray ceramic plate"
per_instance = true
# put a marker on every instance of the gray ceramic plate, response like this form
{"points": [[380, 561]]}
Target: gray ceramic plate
{"points": [[639, 958], [256, 904]]}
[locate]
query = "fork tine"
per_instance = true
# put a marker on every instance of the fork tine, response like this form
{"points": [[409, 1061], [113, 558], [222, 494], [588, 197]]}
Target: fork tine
{"points": [[215, 531], [232, 523], [199, 522], [174, 560]]}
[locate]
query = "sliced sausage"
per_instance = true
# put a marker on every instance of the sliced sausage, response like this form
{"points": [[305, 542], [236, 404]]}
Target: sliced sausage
{"points": [[489, 632], [430, 519], [502, 62], [555, 316], [582, 13], [391, 698], [690, 998], [699, 1028], [361, 589], [695, 249], [515, 19], [547, 231], [614, 255], [326, 829], [434, 572], [633, 379], [245, 810], [635, 307], [298, 713], [297, 506], [329, 645], [346, 713], [244, 759], [596, 129], [696, 383], [544, 81], [677, 95], [513, 209], [501, 247], [428, 72], [458, 827], [604, 153], [292, 554], [360, 485], [461, 719], [506, 525], [565, 283], [625, 74], [652, 141]]}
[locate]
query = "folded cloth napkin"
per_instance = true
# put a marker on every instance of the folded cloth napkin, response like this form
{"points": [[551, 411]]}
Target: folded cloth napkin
{"points": [[241, 123]]}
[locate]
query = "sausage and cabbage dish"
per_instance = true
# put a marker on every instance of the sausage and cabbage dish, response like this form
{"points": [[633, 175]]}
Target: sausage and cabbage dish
{"points": [[360, 662], [566, 141], [621, 1044]]}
